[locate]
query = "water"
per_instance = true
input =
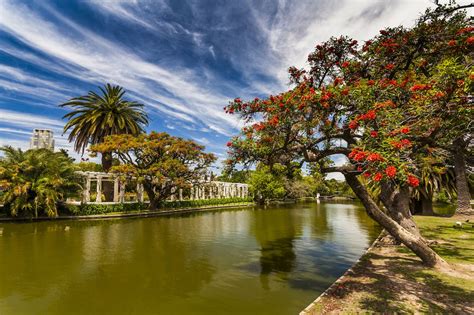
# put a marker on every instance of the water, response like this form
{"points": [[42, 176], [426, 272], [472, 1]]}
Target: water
{"points": [[245, 261]]}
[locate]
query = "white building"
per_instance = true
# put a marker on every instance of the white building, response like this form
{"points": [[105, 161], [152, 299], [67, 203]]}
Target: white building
{"points": [[42, 139]]}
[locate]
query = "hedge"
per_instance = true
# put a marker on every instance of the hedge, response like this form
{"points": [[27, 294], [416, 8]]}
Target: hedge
{"points": [[90, 209]]}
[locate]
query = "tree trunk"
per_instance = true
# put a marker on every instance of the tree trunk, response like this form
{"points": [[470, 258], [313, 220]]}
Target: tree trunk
{"points": [[154, 202], [426, 199], [464, 196], [397, 202], [416, 243], [107, 187]]}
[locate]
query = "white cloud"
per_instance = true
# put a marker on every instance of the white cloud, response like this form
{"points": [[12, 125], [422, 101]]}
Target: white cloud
{"points": [[104, 60]]}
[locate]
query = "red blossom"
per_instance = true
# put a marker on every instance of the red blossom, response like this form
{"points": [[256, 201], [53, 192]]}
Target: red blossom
{"points": [[391, 171], [229, 144], [345, 91], [370, 82], [470, 40], [353, 124], [374, 157], [465, 30], [345, 64], [390, 66], [378, 176], [452, 43], [374, 134], [405, 130], [420, 87], [413, 181], [366, 174], [337, 81]]}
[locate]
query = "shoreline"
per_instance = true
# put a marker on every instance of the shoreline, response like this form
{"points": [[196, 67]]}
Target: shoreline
{"points": [[137, 214], [311, 308]]}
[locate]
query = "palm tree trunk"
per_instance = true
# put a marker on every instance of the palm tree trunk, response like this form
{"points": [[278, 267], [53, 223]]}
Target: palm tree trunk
{"points": [[464, 196], [415, 243]]}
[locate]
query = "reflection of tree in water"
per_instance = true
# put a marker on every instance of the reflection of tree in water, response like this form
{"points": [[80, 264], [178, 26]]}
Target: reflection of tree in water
{"points": [[275, 234], [320, 222]]}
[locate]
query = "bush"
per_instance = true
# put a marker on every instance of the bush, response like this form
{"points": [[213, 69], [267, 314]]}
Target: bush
{"points": [[91, 209]]}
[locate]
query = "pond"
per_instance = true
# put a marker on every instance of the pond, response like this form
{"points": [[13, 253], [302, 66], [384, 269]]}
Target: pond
{"points": [[273, 260]]}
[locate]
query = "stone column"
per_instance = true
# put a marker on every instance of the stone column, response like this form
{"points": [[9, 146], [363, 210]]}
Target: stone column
{"points": [[122, 192], [116, 189], [140, 197], [98, 197], [173, 197], [86, 192], [180, 193]]}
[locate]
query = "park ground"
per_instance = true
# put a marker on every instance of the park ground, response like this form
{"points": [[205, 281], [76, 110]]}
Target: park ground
{"points": [[389, 279]]}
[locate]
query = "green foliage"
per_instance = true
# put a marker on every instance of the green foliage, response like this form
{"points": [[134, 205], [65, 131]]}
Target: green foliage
{"points": [[96, 116], [266, 184], [35, 181], [89, 167], [95, 209], [162, 162], [235, 176], [91, 209]]}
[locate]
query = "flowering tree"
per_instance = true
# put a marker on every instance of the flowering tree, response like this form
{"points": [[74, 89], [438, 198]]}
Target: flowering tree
{"points": [[162, 162], [388, 106]]}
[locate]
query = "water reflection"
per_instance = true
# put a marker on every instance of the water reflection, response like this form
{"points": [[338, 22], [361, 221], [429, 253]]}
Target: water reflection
{"points": [[272, 260]]}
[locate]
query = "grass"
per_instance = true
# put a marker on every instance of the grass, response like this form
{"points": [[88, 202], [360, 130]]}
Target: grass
{"points": [[390, 279]]}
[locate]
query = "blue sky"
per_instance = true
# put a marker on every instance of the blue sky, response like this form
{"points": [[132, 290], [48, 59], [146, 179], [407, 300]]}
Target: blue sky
{"points": [[183, 59]]}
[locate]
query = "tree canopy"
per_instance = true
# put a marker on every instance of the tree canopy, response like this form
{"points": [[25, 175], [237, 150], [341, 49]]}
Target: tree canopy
{"points": [[391, 106], [163, 163]]}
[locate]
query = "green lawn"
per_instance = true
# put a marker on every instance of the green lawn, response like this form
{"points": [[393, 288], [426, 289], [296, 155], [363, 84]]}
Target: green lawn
{"points": [[392, 279]]}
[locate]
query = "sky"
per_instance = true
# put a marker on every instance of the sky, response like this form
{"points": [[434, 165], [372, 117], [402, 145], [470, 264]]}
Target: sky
{"points": [[185, 60]]}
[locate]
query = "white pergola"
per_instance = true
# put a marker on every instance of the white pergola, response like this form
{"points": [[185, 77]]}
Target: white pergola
{"points": [[205, 189]]}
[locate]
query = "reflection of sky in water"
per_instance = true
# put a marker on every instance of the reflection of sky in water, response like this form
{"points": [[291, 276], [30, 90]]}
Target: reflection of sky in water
{"points": [[274, 260]]}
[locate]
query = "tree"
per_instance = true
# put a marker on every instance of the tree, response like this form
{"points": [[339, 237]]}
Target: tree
{"points": [[96, 116], [163, 163], [36, 181], [384, 105], [266, 185]]}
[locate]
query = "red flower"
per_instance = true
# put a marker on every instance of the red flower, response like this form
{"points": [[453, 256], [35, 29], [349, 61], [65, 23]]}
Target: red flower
{"points": [[413, 181], [370, 82], [345, 64], [374, 134], [229, 144], [345, 91], [374, 157], [366, 174], [405, 130], [359, 168], [390, 66], [391, 171], [370, 115], [378, 177], [405, 142], [452, 43], [337, 81], [353, 124], [470, 40], [465, 30], [420, 87]]}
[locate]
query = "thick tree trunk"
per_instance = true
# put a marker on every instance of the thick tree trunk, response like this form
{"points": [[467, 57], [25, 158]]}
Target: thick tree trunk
{"points": [[107, 187], [397, 202], [154, 202], [464, 196], [415, 243]]}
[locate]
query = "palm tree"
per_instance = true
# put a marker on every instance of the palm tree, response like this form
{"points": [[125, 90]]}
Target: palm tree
{"points": [[36, 180], [97, 116]]}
